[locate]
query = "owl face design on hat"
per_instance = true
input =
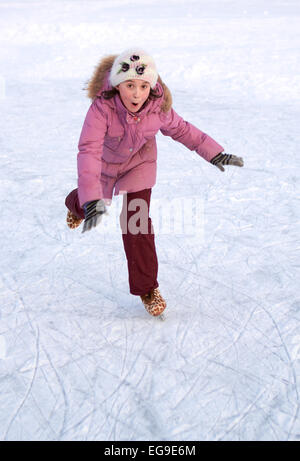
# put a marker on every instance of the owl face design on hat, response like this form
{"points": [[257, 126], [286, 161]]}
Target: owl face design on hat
{"points": [[133, 64], [139, 68]]}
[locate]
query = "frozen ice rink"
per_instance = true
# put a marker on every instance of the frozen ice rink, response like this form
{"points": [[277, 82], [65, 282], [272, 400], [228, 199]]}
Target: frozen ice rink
{"points": [[80, 359]]}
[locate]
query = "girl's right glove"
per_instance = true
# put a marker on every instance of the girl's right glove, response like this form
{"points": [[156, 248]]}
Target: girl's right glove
{"points": [[93, 212], [226, 159]]}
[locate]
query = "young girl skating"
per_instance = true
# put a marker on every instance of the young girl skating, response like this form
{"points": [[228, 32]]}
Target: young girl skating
{"points": [[117, 154]]}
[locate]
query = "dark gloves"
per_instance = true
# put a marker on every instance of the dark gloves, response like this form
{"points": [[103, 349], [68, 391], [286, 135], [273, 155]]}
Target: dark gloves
{"points": [[226, 159], [93, 212]]}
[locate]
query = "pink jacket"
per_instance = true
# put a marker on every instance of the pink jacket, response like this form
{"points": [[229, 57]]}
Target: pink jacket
{"points": [[117, 149]]}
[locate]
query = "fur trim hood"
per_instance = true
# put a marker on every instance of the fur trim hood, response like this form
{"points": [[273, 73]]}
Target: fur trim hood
{"points": [[99, 82]]}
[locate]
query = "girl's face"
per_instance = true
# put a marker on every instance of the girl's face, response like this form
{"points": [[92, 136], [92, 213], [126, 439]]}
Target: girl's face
{"points": [[134, 93]]}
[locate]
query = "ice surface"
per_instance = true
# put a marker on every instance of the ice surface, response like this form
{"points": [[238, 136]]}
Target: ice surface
{"points": [[80, 359]]}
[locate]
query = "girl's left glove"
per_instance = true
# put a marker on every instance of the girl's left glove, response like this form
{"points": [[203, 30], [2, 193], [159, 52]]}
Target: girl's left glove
{"points": [[93, 212], [226, 159]]}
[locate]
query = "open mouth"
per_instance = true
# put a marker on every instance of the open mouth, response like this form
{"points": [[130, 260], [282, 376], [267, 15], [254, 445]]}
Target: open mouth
{"points": [[135, 103]]}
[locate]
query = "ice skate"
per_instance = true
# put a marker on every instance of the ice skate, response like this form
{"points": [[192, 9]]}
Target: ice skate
{"points": [[72, 220], [154, 303]]}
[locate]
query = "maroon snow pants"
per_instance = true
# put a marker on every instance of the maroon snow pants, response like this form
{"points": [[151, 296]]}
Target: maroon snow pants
{"points": [[138, 238]]}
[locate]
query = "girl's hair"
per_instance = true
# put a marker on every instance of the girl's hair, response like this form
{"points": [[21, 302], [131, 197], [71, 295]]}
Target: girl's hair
{"points": [[111, 93]]}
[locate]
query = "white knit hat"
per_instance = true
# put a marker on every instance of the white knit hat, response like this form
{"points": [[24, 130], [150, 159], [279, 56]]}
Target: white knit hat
{"points": [[133, 64]]}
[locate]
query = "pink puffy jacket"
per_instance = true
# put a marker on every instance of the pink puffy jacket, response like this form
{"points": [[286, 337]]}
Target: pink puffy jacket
{"points": [[117, 149]]}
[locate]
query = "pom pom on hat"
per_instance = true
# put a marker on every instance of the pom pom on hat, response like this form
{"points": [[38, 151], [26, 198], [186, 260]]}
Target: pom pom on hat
{"points": [[133, 63]]}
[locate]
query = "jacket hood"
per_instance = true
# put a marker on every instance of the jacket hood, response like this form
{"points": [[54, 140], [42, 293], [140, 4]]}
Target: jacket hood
{"points": [[100, 82]]}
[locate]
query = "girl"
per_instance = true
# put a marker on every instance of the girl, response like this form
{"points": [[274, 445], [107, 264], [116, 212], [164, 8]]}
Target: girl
{"points": [[117, 152]]}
